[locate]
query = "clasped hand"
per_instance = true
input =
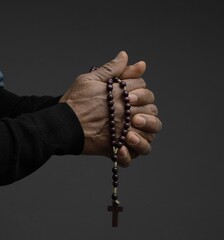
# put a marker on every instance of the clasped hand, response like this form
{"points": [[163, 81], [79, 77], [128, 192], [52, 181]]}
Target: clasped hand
{"points": [[87, 97]]}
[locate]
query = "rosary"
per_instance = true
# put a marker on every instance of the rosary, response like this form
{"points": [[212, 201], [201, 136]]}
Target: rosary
{"points": [[116, 142]]}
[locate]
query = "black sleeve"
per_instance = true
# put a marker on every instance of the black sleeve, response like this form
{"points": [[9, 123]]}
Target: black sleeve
{"points": [[29, 140], [12, 105]]}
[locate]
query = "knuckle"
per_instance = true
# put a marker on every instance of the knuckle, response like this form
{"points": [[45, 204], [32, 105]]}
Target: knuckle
{"points": [[107, 67], [82, 78]]}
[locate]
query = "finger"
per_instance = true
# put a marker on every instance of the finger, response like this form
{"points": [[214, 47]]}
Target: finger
{"points": [[138, 143], [124, 157], [148, 136], [149, 109], [134, 71], [111, 69], [132, 84], [139, 97], [147, 123]]}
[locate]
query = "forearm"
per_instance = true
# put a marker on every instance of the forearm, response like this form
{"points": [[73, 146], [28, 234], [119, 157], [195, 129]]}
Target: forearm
{"points": [[29, 140], [12, 105]]}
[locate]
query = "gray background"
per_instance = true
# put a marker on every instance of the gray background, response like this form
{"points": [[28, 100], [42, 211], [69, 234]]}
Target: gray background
{"points": [[176, 192]]}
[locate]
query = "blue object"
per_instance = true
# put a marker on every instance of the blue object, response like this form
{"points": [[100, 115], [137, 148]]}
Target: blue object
{"points": [[1, 79]]}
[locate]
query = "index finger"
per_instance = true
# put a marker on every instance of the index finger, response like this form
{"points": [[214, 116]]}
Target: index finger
{"points": [[133, 84], [134, 71]]}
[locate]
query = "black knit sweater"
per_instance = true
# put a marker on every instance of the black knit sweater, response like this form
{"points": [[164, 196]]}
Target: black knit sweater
{"points": [[32, 129]]}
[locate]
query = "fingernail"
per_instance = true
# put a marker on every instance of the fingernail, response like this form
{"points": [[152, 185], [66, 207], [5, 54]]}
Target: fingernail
{"points": [[139, 121], [134, 140], [133, 98]]}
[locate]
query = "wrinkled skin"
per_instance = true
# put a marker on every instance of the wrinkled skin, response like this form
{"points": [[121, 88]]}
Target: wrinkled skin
{"points": [[88, 98]]}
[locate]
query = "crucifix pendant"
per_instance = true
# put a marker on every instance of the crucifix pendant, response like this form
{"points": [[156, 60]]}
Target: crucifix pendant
{"points": [[115, 209]]}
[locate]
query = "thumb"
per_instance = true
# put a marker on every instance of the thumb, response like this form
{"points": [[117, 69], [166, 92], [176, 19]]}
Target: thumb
{"points": [[111, 69]]}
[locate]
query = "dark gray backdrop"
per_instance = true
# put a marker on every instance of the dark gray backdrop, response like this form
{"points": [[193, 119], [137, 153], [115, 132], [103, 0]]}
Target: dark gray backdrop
{"points": [[174, 193]]}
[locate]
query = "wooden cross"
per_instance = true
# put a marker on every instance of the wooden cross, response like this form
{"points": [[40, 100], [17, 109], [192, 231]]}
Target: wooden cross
{"points": [[115, 209]]}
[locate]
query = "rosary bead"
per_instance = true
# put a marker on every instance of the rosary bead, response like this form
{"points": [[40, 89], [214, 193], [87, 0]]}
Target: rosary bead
{"points": [[115, 183], [128, 112], [114, 196], [127, 106], [109, 87], [124, 132], [93, 69], [127, 119], [122, 84], [115, 170], [110, 96], [111, 116], [111, 110], [122, 139], [110, 81], [112, 130], [113, 143], [126, 99], [116, 79], [115, 177], [126, 125], [113, 137], [114, 157], [119, 144], [125, 93], [112, 123], [111, 103]]}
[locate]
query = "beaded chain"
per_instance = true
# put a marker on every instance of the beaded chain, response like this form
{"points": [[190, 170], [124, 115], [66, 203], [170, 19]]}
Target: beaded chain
{"points": [[116, 142]]}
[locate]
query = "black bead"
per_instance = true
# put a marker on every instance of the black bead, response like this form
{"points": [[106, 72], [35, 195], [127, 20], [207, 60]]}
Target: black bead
{"points": [[122, 84], [114, 143], [119, 144], [114, 196], [114, 157], [109, 87], [127, 119], [122, 139], [126, 125], [93, 69], [110, 103], [115, 177], [111, 110], [112, 130], [110, 81], [127, 106], [124, 132], [127, 112], [126, 99], [125, 93], [113, 137], [115, 170], [112, 123], [110, 96], [115, 183], [115, 79], [111, 116]]}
